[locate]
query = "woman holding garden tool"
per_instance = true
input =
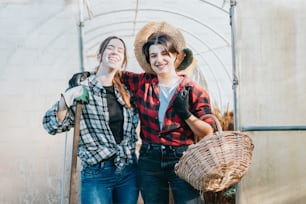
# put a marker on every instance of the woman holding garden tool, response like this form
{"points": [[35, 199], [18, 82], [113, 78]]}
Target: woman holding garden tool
{"points": [[108, 124]]}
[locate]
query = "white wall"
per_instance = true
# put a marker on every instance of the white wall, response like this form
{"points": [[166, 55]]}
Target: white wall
{"points": [[271, 50], [38, 51]]}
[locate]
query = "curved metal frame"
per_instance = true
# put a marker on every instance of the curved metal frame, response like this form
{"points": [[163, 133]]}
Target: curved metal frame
{"points": [[166, 11], [203, 59], [175, 13]]}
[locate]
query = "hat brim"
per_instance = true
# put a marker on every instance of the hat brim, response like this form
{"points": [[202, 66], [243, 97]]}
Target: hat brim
{"points": [[189, 69], [154, 27]]}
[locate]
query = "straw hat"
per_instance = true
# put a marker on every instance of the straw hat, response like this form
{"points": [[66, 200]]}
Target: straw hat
{"points": [[189, 61], [147, 31], [187, 68]]}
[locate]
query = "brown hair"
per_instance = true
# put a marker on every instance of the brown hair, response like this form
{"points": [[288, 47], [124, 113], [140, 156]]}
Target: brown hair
{"points": [[162, 39], [116, 80]]}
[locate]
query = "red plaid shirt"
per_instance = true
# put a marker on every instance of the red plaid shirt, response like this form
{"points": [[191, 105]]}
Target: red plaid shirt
{"points": [[175, 131]]}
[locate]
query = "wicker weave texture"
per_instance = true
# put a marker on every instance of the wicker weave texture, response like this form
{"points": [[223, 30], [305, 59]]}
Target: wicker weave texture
{"points": [[216, 162]]}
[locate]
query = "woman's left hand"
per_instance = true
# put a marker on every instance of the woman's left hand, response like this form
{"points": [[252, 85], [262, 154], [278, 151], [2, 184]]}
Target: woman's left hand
{"points": [[181, 104]]}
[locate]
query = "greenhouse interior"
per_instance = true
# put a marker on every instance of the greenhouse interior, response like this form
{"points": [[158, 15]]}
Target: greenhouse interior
{"points": [[249, 57]]}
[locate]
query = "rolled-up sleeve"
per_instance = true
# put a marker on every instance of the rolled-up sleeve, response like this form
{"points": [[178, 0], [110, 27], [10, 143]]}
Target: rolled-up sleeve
{"points": [[51, 123], [201, 104]]}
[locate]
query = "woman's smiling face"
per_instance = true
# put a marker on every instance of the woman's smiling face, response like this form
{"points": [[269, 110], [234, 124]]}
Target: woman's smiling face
{"points": [[162, 61], [113, 55]]}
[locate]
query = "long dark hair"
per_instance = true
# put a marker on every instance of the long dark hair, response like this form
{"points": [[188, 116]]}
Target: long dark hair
{"points": [[116, 80]]}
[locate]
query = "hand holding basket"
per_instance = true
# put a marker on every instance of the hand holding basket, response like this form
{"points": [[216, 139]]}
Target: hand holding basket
{"points": [[217, 161]]}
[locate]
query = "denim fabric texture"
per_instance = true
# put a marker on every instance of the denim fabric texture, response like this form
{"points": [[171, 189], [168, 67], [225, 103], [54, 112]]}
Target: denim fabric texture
{"points": [[104, 183], [156, 173]]}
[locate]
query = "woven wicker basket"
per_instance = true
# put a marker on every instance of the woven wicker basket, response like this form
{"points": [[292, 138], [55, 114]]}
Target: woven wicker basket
{"points": [[217, 161]]}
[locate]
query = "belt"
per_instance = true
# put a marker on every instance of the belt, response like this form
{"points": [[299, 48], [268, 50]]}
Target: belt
{"points": [[110, 159], [161, 147]]}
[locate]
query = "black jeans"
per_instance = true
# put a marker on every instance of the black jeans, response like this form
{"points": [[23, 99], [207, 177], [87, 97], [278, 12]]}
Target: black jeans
{"points": [[156, 172]]}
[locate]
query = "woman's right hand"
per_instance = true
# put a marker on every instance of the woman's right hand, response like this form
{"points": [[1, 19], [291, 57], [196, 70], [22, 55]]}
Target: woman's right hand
{"points": [[77, 78], [78, 93]]}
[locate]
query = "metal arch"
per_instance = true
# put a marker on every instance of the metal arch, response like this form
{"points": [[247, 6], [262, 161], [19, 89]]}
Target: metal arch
{"points": [[185, 16], [110, 24], [209, 48], [106, 25], [193, 35], [202, 58], [105, 33], [214, 76], [196, 37], [214, 53], [215, 6], [166, 11], [219, 93], [212, 50]]}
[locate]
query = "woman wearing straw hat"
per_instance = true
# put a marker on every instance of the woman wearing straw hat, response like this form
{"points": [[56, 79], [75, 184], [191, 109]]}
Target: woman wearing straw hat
{"points": [[171, 109]]}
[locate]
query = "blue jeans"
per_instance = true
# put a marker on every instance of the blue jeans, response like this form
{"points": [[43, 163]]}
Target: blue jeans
{"points": [[104, 183], [156, 173]]}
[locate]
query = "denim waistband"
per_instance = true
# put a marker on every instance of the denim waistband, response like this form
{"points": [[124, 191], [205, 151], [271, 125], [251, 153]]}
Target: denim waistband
{"points": [[110, 159], [160, 147]]}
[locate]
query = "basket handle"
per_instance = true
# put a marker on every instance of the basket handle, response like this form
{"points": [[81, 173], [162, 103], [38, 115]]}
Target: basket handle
{"points": [[219, 128]]}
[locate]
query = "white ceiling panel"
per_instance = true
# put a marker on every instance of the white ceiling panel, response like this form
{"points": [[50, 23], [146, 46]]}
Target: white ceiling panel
{"points": [[205, 25]]}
